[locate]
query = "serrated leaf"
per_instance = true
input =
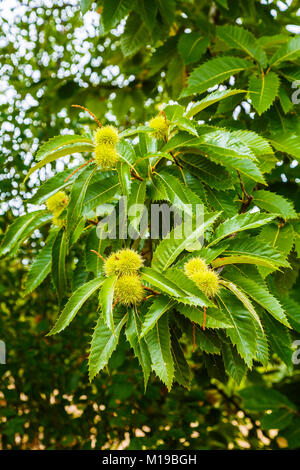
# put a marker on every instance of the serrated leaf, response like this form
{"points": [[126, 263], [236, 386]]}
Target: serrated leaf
{"points": [[127, 152], [21, 229], [263, 91], [259, 398], [211, 99], [161, 282], [278, 419], [41, 266], [61, 141], [159, 344], [125, 178], [51, 186], [239, 38], [194, 296], [135, 35], [169, 249], [279, 340], [243, 333], [173, 112], [255, 142], [192, 46], [136, 200], [85, 5], [187, 125], [100, 192], [159, 306], [275, 203], [245, 301], [213, 72], [251, 251], [279, 236], [287, 143], [75, 302], [239, 223], [214, 316], [103, 344], [206, 340], [77, 196], [114, 11], [106, 298], [58, 266], [182, 373], [138, 344], [209, 172], [288, 51], [234, 364]]}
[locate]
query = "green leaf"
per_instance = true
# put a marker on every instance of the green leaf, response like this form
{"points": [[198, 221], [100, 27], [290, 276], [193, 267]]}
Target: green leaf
{"points": [[222, 201], [159, 344], [127, 152], [103, 344], [106, 298], [172, 190], [85, 5], [214, 316], [279, 236], [62, 141], [75, 302], [147, 11], [287, 143], [239, 223], [135, 35], [259, 398], [125, 178], [262, 347], [244, 299], [278, 419], [194, 296], [192, 46], [167, 10], [251, 251], [211, 173], [100, 192], [169, 249], [113, 12], [187, 125], [206, 340], [174, 112], [77, 196], [259, 293], [93, 262], [138, 344], [213, 72], [234, 364], [159, 306], [51, 186], [21, 229], [182, 373], [263, 91], [41, 266], [275, 203], [59, 275], [239, 38], [255, 142], [210, 99], [161, 282], [137, 198], [289, 51], [243, 333], [279, 340]]}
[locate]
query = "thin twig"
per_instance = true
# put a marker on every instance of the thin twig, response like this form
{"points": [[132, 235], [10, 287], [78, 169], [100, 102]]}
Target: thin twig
{"points": [[90, 113]]}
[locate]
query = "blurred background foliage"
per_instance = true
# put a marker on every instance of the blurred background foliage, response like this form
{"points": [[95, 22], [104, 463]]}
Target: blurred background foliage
{"points": [[52, 57]]}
